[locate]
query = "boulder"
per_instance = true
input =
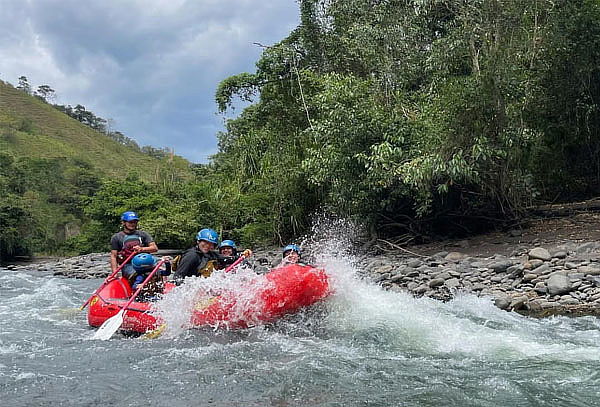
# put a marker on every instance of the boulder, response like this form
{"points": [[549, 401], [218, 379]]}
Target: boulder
{"points": [[540, 253], [502, 301], [558, 283]]}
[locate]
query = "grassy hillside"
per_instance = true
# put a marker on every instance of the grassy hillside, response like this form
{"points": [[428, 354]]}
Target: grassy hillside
{"points": [[31, 128], [52, 167]]}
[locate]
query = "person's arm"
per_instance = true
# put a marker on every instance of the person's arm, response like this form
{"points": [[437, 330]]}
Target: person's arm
{"points": [[114, 250], [148, 244], [151, 248], [113, 260]]}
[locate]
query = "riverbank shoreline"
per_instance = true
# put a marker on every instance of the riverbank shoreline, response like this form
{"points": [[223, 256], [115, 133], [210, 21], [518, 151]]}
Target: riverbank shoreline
{"points": [[550, 268]]}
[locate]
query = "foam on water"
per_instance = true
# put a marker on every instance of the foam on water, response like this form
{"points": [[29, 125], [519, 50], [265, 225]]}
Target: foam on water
{"points": [[177, 306], [360, 317], [467, 325]]}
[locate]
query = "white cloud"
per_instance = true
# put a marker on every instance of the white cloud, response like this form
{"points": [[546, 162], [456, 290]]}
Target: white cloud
{"points": [[151, 65]]}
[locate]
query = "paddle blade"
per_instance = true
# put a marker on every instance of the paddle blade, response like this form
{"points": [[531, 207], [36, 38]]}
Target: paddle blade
{"points": [[109, 327], [155, 333]]}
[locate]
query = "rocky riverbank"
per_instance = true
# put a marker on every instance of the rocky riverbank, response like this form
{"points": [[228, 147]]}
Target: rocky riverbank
{"points": [[539, 281]]}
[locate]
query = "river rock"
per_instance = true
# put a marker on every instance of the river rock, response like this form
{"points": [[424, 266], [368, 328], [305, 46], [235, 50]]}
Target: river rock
{"points": [[414, 263], [436, 282], [540, 253], [452, 283], [589, 270], [455, 256], [540, 288], [586, 247], [502, 301], [501, 266], [558, 283], [518, 302]]}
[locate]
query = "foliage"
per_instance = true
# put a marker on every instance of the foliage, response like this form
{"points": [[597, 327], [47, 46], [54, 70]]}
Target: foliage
{"points": [[408, 115], [430, 108]]}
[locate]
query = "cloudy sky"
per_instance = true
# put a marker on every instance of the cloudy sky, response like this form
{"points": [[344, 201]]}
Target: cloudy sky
{"points": [[150, 65]]}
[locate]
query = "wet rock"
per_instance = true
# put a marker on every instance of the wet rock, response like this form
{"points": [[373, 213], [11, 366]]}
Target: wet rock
{"points": [[519, 302], [502, 301]]}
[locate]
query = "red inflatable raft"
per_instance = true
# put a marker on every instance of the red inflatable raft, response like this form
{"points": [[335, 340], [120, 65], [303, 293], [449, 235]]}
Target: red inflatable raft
{"points": [[284, 290]]}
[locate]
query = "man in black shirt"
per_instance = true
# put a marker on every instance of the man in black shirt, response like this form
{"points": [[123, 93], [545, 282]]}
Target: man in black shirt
{"points": [[127, 241]]}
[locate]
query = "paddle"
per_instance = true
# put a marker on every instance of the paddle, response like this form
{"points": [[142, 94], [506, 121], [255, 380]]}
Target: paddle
{"points": [[107, 280], [112, 325], [155, 333]]}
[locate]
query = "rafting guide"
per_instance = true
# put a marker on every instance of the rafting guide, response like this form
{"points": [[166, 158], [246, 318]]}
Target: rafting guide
{"points": [[129, 240]]}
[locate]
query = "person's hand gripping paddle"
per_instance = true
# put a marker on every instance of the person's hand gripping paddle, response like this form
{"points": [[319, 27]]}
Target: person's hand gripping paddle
{"points": [[107, 280]]}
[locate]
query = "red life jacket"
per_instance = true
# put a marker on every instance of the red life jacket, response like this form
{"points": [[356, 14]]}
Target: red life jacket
{"points": [[129, 242]]}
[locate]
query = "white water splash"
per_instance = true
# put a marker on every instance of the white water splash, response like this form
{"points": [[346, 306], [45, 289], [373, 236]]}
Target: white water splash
{"points": [[243, 285], [467, 325], [398, 323]]}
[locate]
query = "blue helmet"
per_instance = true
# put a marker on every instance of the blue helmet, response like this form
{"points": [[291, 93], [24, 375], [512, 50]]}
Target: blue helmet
{"points": [[143, 262], [228, 243], [293, 247], [208, 235], [129, 216]]}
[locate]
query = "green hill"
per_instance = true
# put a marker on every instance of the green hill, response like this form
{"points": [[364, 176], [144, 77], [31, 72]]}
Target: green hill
{"points": [[52, 167], [31, 128]]}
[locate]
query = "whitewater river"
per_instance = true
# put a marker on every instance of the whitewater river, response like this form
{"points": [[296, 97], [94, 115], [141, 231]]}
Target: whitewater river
{"points": [[361, 347]]}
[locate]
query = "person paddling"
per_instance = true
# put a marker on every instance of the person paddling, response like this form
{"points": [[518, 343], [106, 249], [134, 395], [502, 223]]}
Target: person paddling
{"points": [[228, 254], [143, 264], [201, 259], [127, 241]]}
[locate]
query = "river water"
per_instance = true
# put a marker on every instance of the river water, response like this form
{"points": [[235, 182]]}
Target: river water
{"points": [[360, 347]]}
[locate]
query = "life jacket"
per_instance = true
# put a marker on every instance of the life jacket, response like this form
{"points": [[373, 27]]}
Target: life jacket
{"points": [[207, 270], [129, 242], [175, 262]]}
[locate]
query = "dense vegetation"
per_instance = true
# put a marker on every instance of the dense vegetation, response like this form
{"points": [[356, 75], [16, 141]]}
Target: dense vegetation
{"points": [[411, 116], [422, 115]]}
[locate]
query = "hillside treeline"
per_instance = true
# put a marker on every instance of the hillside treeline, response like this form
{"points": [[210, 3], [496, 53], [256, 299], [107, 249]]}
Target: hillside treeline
{"points": [[417, 116], [413, 117], [88, 118]]}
